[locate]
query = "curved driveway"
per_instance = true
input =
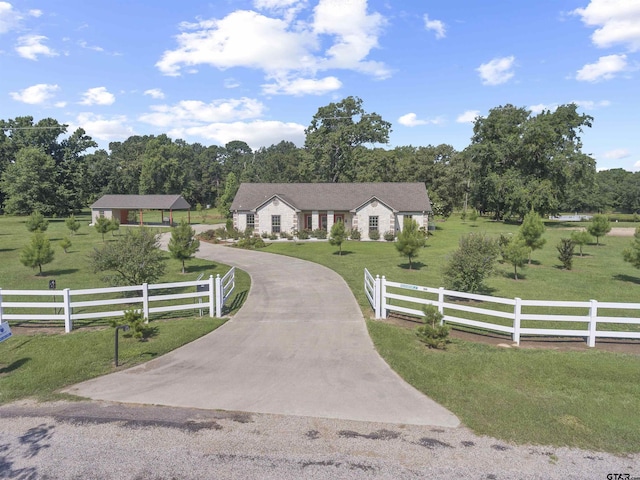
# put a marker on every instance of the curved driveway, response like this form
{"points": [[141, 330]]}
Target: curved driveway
{"points": [[298, 346]]}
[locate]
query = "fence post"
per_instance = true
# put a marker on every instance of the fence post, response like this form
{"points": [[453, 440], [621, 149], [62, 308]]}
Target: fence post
{"points": [[517, 309], [212, 297], [441, 304], [219, 298], [593, 323], [66, 298], [376, 296], [145, 302], [1, 311], [383, 297]]}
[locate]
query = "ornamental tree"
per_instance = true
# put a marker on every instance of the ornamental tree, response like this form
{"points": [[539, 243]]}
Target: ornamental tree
{"points": [[599, 227], [37, 253], [531, 232], [338, 235], [183, 243], [632, 254], [410, 240]]}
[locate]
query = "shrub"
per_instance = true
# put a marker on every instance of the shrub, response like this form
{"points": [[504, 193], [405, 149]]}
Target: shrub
{"points": [[208, 234], [374, 235], [65, 244], [473, 215], [355, 234], [37, 223], [471, 263], [432, 333], [137, 328], [273, 236], [251, 243], [320, 233], [389, 235], [565, 252], [303, 235], [264, 235]]}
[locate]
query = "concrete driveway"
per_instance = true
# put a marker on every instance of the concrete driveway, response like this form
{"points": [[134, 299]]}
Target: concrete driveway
{"points": [[298, 346]]}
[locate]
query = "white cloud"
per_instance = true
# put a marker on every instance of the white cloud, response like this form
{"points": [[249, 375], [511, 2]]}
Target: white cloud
{"points": [[60, 104], [302, 86], [112, 129], [35, 94], [274, 4], [154, 93], [436, 26], [617, 154], [619, 22], [231, 83], [497, 71], [541, 107], [282, 47], [591, 105], [95, 48], [410, 120], [9, 18], [468, 117], [35, 13], [97, 96], [194, 112], [256, 134], [605, 68], [30, 46]]}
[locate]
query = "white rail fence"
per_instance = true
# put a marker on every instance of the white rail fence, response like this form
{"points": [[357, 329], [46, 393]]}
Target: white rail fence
{"points": [[68, 305], [512, 316]]}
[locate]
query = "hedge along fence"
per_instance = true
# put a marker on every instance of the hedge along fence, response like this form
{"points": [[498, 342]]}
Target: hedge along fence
{"points": [[515, 316], [210, 294]]}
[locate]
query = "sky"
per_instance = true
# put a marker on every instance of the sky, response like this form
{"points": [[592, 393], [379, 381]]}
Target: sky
{"points": [[258, 70]]}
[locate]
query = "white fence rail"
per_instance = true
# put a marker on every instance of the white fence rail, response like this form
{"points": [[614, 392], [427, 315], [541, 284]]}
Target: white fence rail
{"points": [[516, 317], [68, 305]]}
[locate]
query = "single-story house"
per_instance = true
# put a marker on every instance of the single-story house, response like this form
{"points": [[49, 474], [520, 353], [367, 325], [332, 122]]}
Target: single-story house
{"points": [[120, 207], [287, 207]]}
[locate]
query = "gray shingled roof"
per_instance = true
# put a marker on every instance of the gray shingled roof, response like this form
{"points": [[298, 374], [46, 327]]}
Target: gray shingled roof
{"points": [[144, 202], [403, 197]]}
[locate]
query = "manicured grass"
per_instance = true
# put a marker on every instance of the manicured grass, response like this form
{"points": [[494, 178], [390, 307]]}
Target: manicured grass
{"points": [[587, 399], [579, 399], [37, 366], [601, 274], [72, 270]]}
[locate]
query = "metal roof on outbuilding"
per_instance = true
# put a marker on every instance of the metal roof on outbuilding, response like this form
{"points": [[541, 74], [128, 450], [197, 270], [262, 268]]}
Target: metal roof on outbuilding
{"points": [[142, 202], [402, 197]]}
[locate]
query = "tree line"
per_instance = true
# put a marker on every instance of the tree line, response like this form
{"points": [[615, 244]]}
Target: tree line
{"points": [[516, 162]]}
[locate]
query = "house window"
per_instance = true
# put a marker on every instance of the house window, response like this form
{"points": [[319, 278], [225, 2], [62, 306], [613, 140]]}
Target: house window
{"points": [[275, 223], [308, 222], [101, 213], [251, 220], [410, 217], [373, 223]]}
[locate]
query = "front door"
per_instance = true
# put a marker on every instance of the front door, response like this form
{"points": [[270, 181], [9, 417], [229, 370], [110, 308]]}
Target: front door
{"points": [[339, 217], [323, 222], [308, 222]]}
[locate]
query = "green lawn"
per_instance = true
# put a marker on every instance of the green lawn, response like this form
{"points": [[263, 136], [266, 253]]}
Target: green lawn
{"points": [[37, 366], [71, 270], [587, 399]]}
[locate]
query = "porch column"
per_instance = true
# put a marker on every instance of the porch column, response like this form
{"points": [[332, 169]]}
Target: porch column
{"points": [[141, 219], [170, 217], [315, 220], [329, 220]]}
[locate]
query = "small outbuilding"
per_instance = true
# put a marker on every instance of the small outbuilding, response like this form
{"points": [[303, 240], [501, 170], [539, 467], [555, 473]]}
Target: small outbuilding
{"points": [[287, 207], [128, 209]]}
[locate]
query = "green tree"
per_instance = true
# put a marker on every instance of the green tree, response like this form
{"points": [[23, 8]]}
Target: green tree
{"points": [[580, 238], [30, 183], [73, 224], [338, 235], [599, 227], [531, 232], [410, 240], [471, 263], [37, 253], [37, 223], [102, 225], [65, 244], [516, 252], [132, 260], [114, 226], [433, 333], [183, 243], [565, 252], [336, 130], [632, 254], [226, 199]]}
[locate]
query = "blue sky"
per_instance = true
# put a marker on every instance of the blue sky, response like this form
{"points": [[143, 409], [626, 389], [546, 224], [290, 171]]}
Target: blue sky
{"points": [[258, 70]]}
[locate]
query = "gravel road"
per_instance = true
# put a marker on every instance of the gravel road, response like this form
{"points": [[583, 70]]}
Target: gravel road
{"points": [[99, 440]]}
